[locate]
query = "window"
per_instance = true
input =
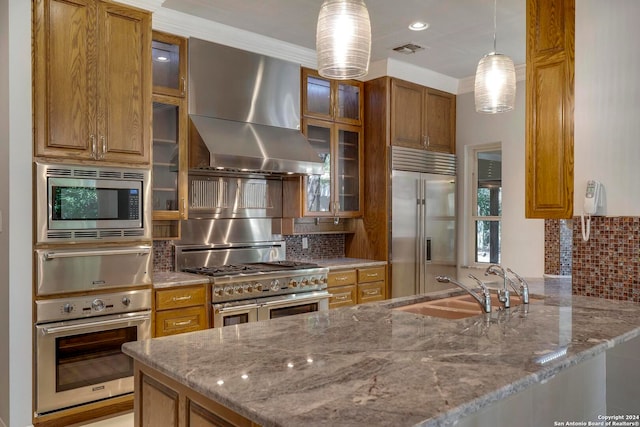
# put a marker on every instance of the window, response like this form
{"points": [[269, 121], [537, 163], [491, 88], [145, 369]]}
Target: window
{"points": [[487, 204]]}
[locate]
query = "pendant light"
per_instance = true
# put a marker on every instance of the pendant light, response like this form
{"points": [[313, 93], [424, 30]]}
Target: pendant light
{"points": [[343, 39], [495, 85]]}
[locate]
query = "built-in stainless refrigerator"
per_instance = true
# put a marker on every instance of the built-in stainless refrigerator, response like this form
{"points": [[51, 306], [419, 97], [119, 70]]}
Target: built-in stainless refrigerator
{"points": [[423, 220]]}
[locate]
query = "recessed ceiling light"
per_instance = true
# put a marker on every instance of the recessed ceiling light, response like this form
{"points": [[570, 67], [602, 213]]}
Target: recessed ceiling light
{"points": [[418, 26]]}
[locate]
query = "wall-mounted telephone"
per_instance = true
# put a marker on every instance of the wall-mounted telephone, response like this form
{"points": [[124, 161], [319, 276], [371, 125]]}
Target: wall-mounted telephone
{"points": [[592, 201]]}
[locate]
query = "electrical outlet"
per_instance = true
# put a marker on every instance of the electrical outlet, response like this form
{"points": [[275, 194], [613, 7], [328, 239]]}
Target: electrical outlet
{"points": [[305, 243]]}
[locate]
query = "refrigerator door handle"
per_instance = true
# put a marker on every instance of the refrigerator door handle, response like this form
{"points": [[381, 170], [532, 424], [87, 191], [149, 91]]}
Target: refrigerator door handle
{"points": [[418, 264], [427, 242]]}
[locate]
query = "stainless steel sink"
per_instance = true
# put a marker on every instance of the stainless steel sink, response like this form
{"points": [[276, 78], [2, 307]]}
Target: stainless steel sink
{"points": [[459, 307]]}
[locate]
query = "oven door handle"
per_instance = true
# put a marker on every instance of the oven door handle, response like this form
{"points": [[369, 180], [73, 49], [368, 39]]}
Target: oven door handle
{"points": [[236, 308], [69, 328], [143, 250], [302, 298]]}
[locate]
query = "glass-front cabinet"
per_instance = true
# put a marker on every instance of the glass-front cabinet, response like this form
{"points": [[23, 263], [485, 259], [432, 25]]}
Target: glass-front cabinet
{"points": [[169, 158], [169, 55], [336, 192], [334, 100]]}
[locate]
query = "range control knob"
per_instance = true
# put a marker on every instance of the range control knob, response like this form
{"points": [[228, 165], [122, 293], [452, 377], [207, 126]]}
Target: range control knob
{"points": [[275, 285], [218, 291], [228, 290], [97, 304], [304, 282], [248, 288], [67, 308], [259, 287], [293, 283], [126, 301], [238, 289]]}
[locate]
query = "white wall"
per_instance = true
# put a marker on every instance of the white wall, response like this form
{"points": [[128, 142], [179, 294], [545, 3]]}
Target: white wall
{"points": [[4, 209], [522, 239], [607, 103], [15, 203]]}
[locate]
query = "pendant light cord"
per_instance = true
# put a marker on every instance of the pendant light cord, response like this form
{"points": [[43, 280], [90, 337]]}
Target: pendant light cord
{"points": [[495, 24]]}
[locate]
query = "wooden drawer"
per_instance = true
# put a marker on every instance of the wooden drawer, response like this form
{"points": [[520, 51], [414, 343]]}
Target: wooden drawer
{"points": [[372, 274], [342, 296], [180, 297], [341, 278], [172, 322], [369, 292]]}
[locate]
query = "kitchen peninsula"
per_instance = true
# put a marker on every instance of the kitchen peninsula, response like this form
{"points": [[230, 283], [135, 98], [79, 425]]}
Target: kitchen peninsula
{"points": [[373, 365]]}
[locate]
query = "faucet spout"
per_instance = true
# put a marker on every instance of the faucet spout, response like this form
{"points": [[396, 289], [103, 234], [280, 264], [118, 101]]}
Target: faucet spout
{"points": [[524, 287], [503, 294], [484, 301]]}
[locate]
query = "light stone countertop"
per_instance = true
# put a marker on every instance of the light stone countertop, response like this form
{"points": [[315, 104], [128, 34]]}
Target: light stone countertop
{"points": [[343, 263], [169, 279], [371, 365]]}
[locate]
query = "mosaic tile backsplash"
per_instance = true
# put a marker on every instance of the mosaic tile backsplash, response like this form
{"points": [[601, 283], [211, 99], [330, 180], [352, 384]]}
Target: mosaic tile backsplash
{"points": [[320, 246], [608, 265], [558, 240]]}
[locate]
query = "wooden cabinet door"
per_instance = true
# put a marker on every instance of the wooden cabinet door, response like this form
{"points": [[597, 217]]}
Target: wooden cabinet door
{"points": [[441, 121], [169, 59], [550, 105], [92, 81], [347, 185], [407, 114], [64, 78], [124, 83]]}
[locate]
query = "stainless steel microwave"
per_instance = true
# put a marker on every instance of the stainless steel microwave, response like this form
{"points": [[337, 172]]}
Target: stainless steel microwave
{"points": [[76, 203]]}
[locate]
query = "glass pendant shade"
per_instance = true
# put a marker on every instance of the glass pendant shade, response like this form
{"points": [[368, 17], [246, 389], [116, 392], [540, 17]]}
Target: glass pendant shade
{"points": [[343, 39], [495, 86]]}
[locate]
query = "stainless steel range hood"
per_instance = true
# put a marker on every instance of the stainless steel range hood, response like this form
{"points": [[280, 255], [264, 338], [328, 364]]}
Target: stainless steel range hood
{"points": [[244, 112]]}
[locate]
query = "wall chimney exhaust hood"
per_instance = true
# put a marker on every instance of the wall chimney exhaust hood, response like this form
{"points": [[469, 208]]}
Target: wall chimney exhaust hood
{"points": [[244, 112]]}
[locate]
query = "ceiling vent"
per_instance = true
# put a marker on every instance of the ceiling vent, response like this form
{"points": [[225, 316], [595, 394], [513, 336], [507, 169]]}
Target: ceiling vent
{"points": [[408, 48]]}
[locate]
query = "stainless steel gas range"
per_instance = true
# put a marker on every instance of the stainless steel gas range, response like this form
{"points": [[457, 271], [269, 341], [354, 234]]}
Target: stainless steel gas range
{"points": [[252, 281]]}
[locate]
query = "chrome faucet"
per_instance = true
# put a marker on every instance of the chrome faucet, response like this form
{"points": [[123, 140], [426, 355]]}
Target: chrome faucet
{"points": [[524, 287], [503, 294], [484, 301]]}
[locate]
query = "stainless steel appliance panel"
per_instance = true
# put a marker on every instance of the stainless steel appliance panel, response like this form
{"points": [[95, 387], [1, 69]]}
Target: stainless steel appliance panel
{"points": [[80, 361], [97, 210], [71, 270], [213, 197], [289, 305], [236, 313], [234, 84], [423, 221]]}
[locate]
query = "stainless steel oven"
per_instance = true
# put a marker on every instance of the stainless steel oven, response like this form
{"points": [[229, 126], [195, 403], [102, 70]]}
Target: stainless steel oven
{"points": [[78, 347], [253, 310], [85, 203]]}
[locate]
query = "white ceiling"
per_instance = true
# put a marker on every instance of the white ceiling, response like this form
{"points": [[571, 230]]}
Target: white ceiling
{"points": [[460, 32]]}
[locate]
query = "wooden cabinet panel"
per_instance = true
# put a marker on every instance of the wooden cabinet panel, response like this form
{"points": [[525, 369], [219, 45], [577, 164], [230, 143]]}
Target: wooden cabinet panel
{"points": [[550, 105], [64, 77], [158, 403], [369, 292], [343, 296], [341, 278], [92, 81], [124, 83], [180, 297], [373, 274], [422, 117], [171, 322], [407, 114], [169, 54], [441, 121]]}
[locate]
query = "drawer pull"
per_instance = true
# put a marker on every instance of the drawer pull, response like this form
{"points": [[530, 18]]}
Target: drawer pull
{"points": [[342, 297], [372, 292], [372, 274], [341, 278], [183, 323], [184, 298]]}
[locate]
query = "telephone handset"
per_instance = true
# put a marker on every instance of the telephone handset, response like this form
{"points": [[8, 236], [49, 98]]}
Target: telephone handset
{"points": [[592, 201], [592, 197]]}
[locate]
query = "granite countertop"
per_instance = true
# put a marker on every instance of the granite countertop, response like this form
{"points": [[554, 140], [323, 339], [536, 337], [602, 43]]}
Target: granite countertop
{"points": [[168, 279], [372, 365], [343, 262]]}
